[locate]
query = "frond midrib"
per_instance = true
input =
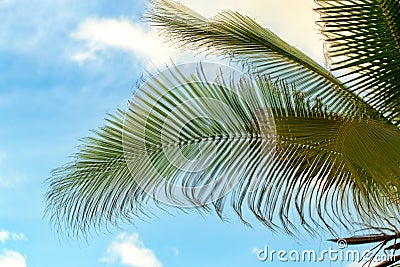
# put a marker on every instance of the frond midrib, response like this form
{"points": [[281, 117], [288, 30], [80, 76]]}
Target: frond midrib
{"points": [[240, 137], [209, 138]]}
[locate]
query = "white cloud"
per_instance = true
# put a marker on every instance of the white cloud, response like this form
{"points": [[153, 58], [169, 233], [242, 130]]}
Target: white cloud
{"points": [[3, 236], [293, 20], [6, 236], [10, 178], [11, 258], [128, 250], [101, 34]]}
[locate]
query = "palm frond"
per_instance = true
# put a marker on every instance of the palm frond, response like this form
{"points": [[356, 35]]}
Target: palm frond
{"points": [[237, 36], [263, 145], [364, 39]]}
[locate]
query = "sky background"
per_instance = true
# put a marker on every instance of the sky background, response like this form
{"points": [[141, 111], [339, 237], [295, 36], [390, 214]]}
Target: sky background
{"points": [[63, 66]]}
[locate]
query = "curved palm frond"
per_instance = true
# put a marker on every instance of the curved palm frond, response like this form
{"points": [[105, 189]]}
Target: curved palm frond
{"points": [[304, 164], [232, 34], [364, 38]]}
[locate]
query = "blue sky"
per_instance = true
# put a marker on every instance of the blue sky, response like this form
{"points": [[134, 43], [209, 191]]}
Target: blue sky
{"points": [[63, 66]]}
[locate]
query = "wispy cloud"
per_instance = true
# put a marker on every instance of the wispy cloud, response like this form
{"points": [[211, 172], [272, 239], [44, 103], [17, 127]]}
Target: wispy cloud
{"points": [[11, 236], [10, 258], [9, 177], [130, 251], [7, 181], [99, 35]]}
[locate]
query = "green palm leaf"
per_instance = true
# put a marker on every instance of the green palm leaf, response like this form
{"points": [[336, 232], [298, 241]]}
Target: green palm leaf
{"points": [[364, 38], [232, 34], [263, 145]]}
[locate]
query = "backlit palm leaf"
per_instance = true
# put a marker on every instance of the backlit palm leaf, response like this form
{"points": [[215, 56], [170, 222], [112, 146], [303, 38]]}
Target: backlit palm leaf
{"points": [[364, 38], [232, 34], [318, 168]]}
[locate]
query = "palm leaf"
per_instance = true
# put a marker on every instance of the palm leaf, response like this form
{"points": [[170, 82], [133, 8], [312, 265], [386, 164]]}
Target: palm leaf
{"points": [[364, 38], [263, 145], [237, 36]]}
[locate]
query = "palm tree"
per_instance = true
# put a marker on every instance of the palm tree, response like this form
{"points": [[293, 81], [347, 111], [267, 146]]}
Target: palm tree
{"points": [[331, 160]]}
